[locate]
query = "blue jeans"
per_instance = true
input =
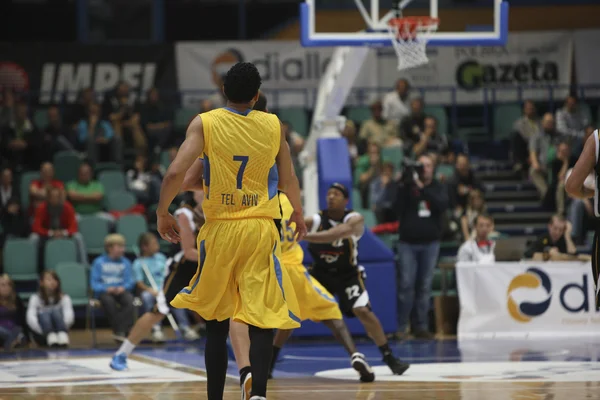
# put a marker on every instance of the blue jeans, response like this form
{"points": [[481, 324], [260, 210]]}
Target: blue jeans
{"points": [[576, 216], [51, 320], [8, 336], [180, 314], [415, 273]]}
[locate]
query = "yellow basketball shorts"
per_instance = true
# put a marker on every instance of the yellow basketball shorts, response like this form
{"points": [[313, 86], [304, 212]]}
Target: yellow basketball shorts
{"points": [[240, 277], [315, 302]]}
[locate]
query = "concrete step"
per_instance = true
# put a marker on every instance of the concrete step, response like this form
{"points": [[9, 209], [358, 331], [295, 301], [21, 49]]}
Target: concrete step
{"points": [[514, 185], [522, 229], [490, 176], [514, 206], [522, 218], [512, 195]]}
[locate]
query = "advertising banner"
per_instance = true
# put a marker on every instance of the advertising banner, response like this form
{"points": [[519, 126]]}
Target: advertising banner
{"points": [[282, 65], [57, 71], [535, 60], [587, 59], [526, 299]]}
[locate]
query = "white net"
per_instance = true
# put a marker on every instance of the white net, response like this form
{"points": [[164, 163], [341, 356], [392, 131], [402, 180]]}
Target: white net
{"points": [[408, 40]]}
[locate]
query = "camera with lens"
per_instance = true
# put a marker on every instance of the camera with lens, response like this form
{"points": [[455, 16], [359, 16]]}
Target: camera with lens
{"points": [[410, 168]]}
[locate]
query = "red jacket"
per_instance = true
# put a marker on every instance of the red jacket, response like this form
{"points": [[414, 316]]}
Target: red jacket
{"points": [[41, 221]]}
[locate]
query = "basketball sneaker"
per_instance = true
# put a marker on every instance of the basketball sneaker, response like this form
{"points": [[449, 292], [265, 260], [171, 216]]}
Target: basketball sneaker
{"points": [[247, 386], [362, 367], [119, 362], [397, 366]]}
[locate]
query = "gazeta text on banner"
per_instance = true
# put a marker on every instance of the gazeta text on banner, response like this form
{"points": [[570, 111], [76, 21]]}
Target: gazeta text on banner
{"points": [[526, 299]]}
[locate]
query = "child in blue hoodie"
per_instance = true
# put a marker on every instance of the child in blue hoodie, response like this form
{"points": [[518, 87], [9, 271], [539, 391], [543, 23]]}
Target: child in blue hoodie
{"points": [[112, 281]]}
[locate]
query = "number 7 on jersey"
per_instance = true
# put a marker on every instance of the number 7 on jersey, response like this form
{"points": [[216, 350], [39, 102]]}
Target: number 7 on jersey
{"points": [[240, 174]]}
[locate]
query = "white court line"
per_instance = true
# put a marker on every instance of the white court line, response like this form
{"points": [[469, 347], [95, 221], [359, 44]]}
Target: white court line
{"points": [[181, 365]]}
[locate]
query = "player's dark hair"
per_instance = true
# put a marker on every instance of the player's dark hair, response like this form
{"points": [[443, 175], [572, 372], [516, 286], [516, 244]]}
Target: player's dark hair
{"points": [[261, 103], [241, 83]]}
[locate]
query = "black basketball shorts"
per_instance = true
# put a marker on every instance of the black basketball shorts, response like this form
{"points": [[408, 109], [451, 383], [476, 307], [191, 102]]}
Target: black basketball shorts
{"points": [[346, 284]]}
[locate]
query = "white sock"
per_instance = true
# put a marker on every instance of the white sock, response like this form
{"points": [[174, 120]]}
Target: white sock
{"points": [[126, 347]]}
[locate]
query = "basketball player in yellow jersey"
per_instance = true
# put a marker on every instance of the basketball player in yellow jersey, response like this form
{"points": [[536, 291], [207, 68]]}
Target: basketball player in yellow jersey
{"points": [[239, 276]]}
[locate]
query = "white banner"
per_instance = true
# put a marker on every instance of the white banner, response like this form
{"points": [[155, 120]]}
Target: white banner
{"points": [[534, 59], [282, 65], [526, 299], [587, 59]]}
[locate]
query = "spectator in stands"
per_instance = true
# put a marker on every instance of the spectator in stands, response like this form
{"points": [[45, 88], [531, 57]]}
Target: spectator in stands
{"points": [[39, 187], [395, 103], [368, 166], [556, 245], [557, 172], [87, 194], [581, 211], [540, 147], [13, 328], [571, 121], [143, 183], [430, 140], [475, 206], [524, 129], [50, 312], [55, 136], [79, 110], [8, 190], [7, 109], [156, 119], [381, 194], [97, 137], [13, 220], [55, 219], [412, 126], [349, 133], [125, 121], [19, 139], [464, 180], [295, 140], [421, 204], [480, 248], [378, 130], [111, 279]]}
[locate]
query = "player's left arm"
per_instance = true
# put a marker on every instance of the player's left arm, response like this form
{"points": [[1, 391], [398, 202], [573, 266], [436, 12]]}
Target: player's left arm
{"points": [[584, 166], [355, 226], [193, 177], [171, 184]]}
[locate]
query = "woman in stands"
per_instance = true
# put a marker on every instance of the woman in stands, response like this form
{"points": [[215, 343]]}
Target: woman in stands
{"points": [[50, 312], [13, 329]]}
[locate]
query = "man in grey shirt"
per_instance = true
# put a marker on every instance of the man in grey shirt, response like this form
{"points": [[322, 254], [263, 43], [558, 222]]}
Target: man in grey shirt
{"points": [[571, 121], [540, 146]]}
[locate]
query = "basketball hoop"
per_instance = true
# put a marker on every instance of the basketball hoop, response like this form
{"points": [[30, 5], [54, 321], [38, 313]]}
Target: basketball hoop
{"points": [[407, 37]]}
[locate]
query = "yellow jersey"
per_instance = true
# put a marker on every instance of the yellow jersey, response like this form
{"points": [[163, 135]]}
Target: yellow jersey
{"points": [[240, 173], [291, 251]]}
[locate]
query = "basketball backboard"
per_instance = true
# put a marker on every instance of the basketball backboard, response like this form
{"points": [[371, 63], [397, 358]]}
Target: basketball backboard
{"points": [[375, 28]]}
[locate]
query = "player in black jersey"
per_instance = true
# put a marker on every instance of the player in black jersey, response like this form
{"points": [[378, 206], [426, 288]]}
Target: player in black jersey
{"points": [[588, 163], [333, 244], [182, 267]]}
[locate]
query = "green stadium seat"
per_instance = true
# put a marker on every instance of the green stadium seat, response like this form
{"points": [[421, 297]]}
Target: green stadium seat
{"points": [[369, 216], [120, 201], [74, 282], [131, 227], [59, 250], [20, 258], [164, 159], [40, 118], [94, 230], [112, 181], [107, 166], [395, 155], [505, 116], [356, 199], [66, 165], [445, 170], [24, 183], [183, 117], [297, 118], [359, 114], [586, 110], [439, 113]]}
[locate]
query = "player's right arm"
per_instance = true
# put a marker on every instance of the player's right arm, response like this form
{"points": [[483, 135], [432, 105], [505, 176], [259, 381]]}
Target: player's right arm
{"points": [[584, 166], [288, 183]]}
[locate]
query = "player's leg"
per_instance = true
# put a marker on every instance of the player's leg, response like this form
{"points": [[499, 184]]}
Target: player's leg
{"points": [[216, 358], [240, 342], [140, 330], [281, 337]]}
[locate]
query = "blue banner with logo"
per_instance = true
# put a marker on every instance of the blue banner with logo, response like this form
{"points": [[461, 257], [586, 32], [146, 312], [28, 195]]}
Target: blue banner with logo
{"points": [[527, 299]]}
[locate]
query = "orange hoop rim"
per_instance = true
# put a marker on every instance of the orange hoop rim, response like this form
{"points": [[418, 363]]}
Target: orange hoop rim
{"points": [[414, 21]]}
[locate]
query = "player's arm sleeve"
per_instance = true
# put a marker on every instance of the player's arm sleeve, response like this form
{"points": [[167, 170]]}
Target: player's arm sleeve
{"points": [[32, 314], [584, 166], [187, 154]]}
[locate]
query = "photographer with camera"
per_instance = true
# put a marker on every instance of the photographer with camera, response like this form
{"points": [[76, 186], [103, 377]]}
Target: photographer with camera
{"points": [[421, 203]]}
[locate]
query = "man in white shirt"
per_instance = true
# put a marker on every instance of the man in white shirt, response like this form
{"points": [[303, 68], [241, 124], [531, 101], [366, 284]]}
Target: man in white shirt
{"points": [[480, 249], [396, 104]]}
